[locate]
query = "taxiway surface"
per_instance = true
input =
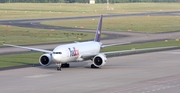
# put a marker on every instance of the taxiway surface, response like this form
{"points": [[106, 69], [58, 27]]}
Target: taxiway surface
{"points": [[156, 72]]}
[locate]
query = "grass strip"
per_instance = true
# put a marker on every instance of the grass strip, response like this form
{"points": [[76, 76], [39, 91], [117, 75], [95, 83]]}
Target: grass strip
{"points": [[19, 59], [49, 10], [143, 45], [144, 24], [21, 36]]}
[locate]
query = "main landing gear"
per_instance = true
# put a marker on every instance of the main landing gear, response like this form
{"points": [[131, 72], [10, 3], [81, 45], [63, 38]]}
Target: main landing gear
{"points": [[66, 65]]}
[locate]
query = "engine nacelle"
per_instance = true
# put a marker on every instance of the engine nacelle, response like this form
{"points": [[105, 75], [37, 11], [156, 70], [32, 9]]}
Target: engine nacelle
{"points": [[45, 59], [99, 60]]}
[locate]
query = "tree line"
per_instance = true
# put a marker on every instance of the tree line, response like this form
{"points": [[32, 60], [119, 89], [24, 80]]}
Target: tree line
{"points": [[83, 1]]}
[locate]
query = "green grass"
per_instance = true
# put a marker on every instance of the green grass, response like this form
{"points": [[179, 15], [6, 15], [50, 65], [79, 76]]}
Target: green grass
{"points": [[49, 10], [145, 24], [33, 58], [22, 36], [19, 59]]}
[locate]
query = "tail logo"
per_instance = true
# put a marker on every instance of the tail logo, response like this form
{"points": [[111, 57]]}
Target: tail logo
{"points": [[99, 32]]}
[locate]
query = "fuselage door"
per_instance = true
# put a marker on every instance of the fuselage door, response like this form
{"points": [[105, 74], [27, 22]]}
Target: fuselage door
{"points": [[67, 53]]}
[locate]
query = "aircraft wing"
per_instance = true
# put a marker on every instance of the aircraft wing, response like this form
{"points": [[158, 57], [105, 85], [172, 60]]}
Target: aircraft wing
{"points": [[138, 50], [115, 44], [87, 56], [28, 48]]}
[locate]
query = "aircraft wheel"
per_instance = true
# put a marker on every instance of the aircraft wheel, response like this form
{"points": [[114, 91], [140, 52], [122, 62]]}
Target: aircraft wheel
{"points": [[65, 65], [58, 68]]}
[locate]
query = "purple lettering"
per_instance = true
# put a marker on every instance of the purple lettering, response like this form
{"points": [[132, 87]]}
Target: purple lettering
{"points": [[73, 52]]}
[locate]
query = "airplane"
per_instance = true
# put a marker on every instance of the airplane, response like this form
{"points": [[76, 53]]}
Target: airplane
{"points": [[62, 55]]}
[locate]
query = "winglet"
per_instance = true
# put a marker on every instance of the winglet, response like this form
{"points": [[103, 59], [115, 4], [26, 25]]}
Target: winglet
{"points": [[98, 31]]}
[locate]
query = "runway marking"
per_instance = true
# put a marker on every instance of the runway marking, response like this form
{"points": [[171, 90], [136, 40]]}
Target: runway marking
{"points": [[169, 87], [38, 76], [161, 88], [165, 81], [172, 52]]}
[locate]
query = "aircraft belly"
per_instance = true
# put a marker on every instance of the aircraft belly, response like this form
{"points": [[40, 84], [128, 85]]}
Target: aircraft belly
{"points": [[70, 59]]}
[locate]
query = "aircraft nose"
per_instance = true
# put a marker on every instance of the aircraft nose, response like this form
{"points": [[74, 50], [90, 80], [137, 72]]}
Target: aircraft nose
{"points": [[56, 58]]}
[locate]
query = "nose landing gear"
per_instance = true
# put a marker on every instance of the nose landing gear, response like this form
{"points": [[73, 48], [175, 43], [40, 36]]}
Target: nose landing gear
{"points": [[59, 66], [66, 65]]}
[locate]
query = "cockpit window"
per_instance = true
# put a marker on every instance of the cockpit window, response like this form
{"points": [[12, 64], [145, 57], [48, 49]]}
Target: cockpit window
{"points": [[57, 53]]}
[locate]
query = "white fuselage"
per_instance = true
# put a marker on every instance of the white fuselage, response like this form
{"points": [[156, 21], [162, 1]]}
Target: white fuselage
{"points": [[72, 52]]}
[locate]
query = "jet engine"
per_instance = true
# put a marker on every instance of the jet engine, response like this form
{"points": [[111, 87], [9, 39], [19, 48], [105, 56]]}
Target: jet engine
{"points": [[45, 59], [99, 60]]}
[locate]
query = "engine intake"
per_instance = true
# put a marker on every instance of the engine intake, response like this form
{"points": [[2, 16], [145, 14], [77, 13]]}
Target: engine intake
{"points": [[45, 59], [99, 60]]}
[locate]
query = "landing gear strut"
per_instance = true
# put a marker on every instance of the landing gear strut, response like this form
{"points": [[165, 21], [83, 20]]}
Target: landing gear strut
{"points": [[59, 66], [66, 65]]}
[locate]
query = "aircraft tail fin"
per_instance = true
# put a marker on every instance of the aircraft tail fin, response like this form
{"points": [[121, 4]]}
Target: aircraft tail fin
{"points": [[98, 31]]}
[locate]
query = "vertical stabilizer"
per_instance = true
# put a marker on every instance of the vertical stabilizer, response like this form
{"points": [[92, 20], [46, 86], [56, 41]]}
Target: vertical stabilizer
{"points": [[98, 31]]}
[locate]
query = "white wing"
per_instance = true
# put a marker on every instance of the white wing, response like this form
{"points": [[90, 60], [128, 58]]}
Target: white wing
{"points": [[138, 50], [32, 49], [86, 56]]}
